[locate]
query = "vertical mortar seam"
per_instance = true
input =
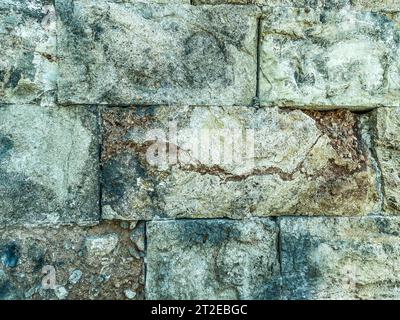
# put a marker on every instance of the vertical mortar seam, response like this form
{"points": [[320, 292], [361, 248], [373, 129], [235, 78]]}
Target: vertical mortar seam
{"points": [[100, 166], [279, 254], [145, 262], [374, 154], [258, 54]]}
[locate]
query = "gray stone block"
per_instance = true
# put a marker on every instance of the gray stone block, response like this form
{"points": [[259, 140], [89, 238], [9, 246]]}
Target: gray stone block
{"points": [[387, 144], [321, 59], [48, 165], [212, 259], [340, 258], [28, 66], [124, 54]]}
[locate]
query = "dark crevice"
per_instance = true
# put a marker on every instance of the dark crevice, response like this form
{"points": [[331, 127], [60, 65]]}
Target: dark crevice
{"points": [[279, 251], [145, 260], [259, 30], [100, 166], [373, 149]]}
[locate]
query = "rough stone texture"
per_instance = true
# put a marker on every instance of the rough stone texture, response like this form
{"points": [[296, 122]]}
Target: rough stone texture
{"points": [[198, 2], [212, 259], [316, 58], [384, 5], [28, 67], [96, 185], [82, 271], [48, 165], [304, 163], [387, 142], [197, 55], [340, 258]]}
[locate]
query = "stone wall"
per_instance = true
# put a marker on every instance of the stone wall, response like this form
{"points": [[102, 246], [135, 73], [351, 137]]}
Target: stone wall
{"points": [[307, 90]]}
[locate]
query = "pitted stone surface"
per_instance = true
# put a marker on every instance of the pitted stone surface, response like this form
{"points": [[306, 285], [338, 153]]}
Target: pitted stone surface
{"points": [[304, 163], [321, 59], [28, 66], [47, 263], [48, 165], [340, 258], [387, 142], [212, 259], [196, 55]]}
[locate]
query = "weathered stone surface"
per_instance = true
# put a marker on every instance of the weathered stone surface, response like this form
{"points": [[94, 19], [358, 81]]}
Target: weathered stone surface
{"points": [[316, 58], [31, 259], [385, 5], [340, 258], [198, 2], [304, 163], [48, 165], [387, 143], [136, 1], [28, 67], [196, 55], [212, 259]]}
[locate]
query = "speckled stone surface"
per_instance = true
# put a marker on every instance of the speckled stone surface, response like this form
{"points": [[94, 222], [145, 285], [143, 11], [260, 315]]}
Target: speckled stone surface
{"points": [[48, 165], [212, 259], [302, 163], [321, 59], [196, 55], [70, 263], [340, 258], [28, 66]]}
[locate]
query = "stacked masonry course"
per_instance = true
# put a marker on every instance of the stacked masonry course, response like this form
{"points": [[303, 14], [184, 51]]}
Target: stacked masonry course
{"points": [[317, 215]]}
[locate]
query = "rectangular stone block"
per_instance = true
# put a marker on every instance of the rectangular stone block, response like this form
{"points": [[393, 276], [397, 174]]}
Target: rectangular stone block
{"points": [[329, 59], [152, 54], [387, 144], [212, 259], [69, 263], [48, 165], [340, 258], [28, 66], [237, 162]]}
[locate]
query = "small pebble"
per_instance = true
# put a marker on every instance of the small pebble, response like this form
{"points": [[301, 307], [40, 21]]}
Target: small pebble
{"points": [[61, 292], [130, 294], [75, 276]]}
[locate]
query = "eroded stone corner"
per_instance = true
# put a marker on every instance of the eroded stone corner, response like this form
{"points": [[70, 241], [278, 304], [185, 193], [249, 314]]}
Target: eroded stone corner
{"points": [[28, 69]]}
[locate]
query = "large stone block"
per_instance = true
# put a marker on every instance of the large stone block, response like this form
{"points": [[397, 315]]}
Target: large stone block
{"points": [[69, 263], [340, 258], [387, 144], [152, 54], [28, 67], [208, 162], [315, 58], [48, 165], [212, 259]]}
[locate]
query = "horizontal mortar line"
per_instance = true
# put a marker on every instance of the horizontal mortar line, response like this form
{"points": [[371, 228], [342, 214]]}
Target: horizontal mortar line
{"points": [[353, 109], [267, 217]]}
